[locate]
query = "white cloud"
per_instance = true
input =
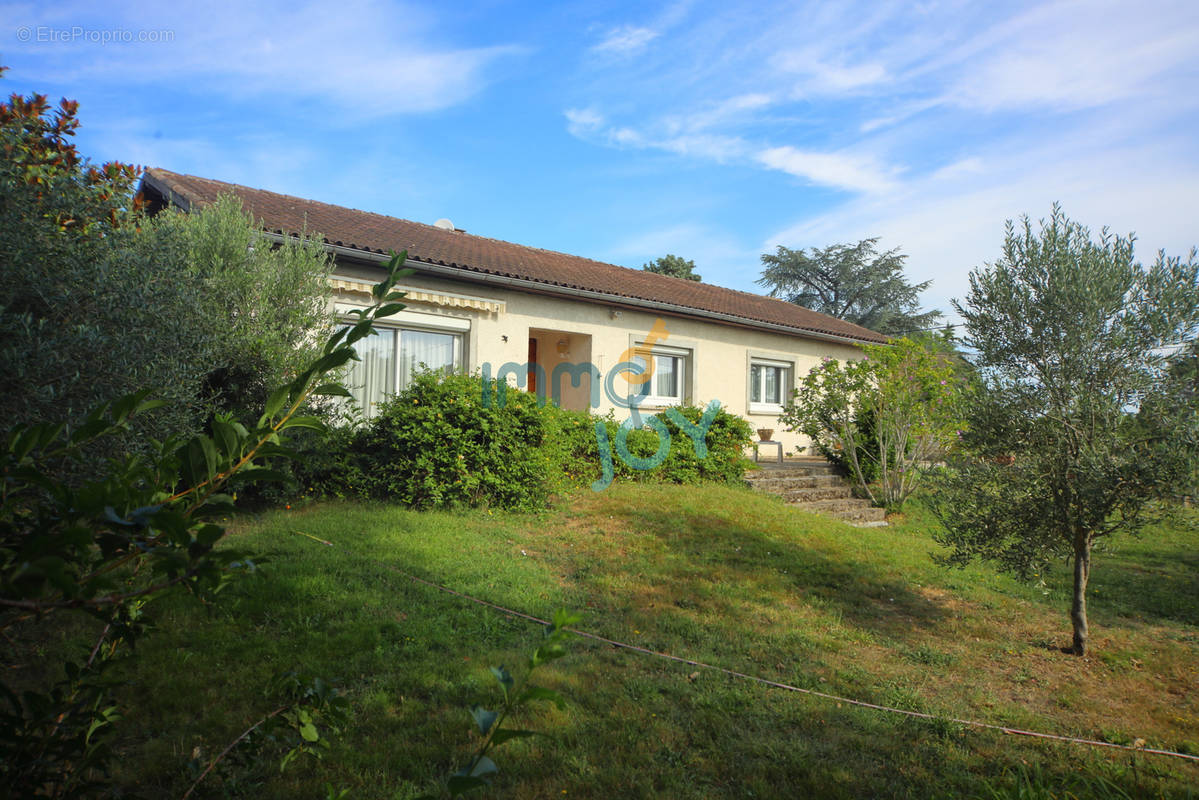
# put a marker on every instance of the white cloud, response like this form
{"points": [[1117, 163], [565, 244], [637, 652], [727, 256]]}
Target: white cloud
{"points": [[1079, 68], [952, 221], [720, 149], [720, 114], [581, 122], [746, 102], [625, 40], [839, 170], [936, 124], [963, 167], [1068, 55], [626, 137], [365, 59], [590, 125], [840, 79], [818, 75]]}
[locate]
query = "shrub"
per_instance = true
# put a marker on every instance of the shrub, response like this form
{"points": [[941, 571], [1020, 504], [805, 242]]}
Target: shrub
{"points": [[866, 444], [575, 448], [263, 307], [437, 444], [97, 301], [727, 437], [887, 415]]}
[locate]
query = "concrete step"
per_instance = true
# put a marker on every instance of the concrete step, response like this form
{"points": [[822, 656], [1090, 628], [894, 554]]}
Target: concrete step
{"points": [[819, 464], [833, 504], [789, 471], [812, 494], [813, 484], [854, 511], [772, 484]]}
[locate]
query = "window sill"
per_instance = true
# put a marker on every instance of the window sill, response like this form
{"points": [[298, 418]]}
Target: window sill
{"points": [[767, 409], [660, 402]]}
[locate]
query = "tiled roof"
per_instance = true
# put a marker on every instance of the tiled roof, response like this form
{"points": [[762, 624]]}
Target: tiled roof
{"points": [[478, 256]]}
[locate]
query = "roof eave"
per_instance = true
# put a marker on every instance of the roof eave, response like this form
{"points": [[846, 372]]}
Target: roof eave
{"points": [[506, 281], [165, 191]]}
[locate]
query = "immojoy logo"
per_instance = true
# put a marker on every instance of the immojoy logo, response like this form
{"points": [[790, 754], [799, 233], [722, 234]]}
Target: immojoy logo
{"points": [[635, 370]]}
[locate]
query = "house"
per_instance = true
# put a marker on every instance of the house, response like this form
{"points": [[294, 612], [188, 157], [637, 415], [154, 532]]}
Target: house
{"points": [[564, 326]]}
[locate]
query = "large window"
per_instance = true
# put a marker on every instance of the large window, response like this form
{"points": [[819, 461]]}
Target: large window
{"points": [[390, 359], [667, 385], [769, 386]]}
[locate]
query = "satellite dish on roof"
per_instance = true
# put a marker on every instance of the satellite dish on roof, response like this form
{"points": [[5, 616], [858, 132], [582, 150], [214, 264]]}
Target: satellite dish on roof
{"points": [[444, 224]]}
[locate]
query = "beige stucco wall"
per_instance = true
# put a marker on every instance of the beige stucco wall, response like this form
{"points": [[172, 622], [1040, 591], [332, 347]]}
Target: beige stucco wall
{"points": [[720, 354]]}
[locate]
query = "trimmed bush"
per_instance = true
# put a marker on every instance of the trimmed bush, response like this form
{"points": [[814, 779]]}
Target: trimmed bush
{"points": [[727, 437], [437, 444]]}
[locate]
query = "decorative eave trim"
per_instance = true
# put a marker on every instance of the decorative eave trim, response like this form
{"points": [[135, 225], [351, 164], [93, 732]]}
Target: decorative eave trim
{"points": [[418, 295]]}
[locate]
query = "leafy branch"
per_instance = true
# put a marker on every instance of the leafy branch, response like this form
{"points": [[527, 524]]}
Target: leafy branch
{"points": [[141, 526], [480, 769]]}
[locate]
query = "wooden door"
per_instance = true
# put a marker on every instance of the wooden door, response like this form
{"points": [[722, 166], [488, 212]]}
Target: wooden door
{"points": [[532, 378]]}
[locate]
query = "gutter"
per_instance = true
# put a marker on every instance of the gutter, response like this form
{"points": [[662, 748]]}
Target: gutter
{"points": [[504, 281]]}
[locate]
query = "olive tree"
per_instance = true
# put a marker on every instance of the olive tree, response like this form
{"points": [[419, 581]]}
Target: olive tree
{"points": [[1072, 338]]}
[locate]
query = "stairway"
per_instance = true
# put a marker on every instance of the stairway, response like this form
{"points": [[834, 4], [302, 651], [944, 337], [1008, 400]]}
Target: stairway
{"points": [[811, 484]]}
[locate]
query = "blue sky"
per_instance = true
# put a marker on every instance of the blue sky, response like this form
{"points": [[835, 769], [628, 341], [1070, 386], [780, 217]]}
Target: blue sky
{"points": [[624, 131]]}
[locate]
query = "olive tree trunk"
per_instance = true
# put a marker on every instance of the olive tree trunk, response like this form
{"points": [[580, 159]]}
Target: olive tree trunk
{"points": [[1078, 606]]}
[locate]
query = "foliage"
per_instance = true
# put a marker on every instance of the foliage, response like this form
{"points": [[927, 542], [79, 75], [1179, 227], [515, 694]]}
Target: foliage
{"points": [[97, 301], [1071, 335], [584, 461], [886, 416], [140, 526], [292, 727], [438, 444], [65, 303], [325, 466], [479, 771], [40, 162], [674, 266], [855, 283], [448, 440], [726, 439], [1176, 408], [946, 344], [865, 449], [264, 306]]}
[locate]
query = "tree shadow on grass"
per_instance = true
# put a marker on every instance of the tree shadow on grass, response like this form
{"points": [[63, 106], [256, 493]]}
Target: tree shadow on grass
{"points": [[763, 569], [1130, 587]]}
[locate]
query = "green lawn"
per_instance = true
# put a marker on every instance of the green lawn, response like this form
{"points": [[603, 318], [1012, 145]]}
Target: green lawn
{"points": [[718, 575]]}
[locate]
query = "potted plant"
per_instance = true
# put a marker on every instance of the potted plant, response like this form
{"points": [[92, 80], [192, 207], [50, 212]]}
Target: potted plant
{"points": [[764, 434]]}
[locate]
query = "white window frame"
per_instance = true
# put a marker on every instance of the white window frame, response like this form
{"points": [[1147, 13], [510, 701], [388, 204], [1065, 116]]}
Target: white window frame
{"points": [[682, 358], [417, 323], [786, 384]]}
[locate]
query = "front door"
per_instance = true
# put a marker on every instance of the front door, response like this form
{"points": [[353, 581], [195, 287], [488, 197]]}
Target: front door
{"points": [[532, 385]]}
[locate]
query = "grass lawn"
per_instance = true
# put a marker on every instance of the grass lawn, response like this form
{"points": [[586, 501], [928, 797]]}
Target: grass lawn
{"points": [[718, 575]]}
